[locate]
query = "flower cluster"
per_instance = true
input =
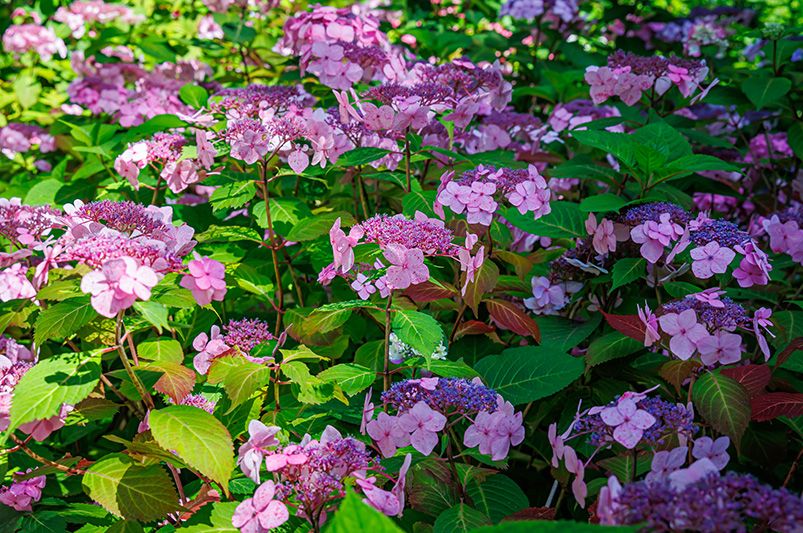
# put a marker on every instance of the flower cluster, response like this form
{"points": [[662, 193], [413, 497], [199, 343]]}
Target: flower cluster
{"points": [[398, 350], [84, 13], [785, 232], [18, 138], [241, 337], [473, 193], [21, 494], [21, 38], [553, 11], [308, 477], [628, 76], [428, 405]]}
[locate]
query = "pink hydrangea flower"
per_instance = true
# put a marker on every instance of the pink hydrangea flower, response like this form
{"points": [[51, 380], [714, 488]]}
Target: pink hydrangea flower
{"points": [[715, 451], [754, 267], [785, 237], [208, 349], [260, 513], [20, 495], [482, 432], [14, 284], [406, 266], [576, 467], [556, 443], [290, 455], [390, 502], [367, 411], [665, 462], [470, 265], [685, 332], [117, 284], [761, 325], [604, 240], [710, 297], [721, 347], [651, 333], [206, 151], [532, 195], [388, 434], [206, 280], [363, 286], [684, 477], [628, 420], [298, 161], [343, 245], [711, 259], [655, 236], [39, 430], [252, 453], [423, 424]]}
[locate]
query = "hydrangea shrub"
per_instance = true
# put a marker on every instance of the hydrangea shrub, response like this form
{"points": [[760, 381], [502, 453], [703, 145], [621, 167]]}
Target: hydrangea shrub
{"points": [[530, 265]]}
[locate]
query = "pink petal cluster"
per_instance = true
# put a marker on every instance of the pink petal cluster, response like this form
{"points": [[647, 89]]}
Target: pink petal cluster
{"points": [[722, 347], [206, 280], [475, 199], [628, 420], [655, 236], [548, 298], [406, 267], [262, 512], [14, 284], [711, 259], [604, 240], [118, 284], [685, 332], [494, 433], [715, 451], [785, 237], [208, 347], [606, 83], [21, 38], [21, 494], [754, 268]]}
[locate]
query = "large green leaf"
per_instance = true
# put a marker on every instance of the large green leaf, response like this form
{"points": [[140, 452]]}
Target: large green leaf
{"points": [[627, 270], [318, 225], [354, 515], [497, 497], [563, 334], [460, 519], [350, 377], [218, 521], [611, 346], [63, 319], [724, 403], [52, 382], [763, 90], [240, 377], [529, 373], [419, 330], [310, 389], [130, 490], [566, 221], [233, 195], [197, 437]]}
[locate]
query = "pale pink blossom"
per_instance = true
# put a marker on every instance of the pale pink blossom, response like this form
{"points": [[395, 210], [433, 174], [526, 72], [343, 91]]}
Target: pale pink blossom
{"points": [[118, 284], [715, 451], [423, 424], [406, 266], [651, 333], [388, 434], [342, 245], [711, 259], [721, 347], [208, 347], [260, 513], [628, 420], [206, 280], [604, 240], [685, 332], [14, 284], [21, 494]]}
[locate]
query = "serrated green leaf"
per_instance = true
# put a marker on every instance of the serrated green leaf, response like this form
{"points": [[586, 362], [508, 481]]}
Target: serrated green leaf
{"points": [[497, 497], [611, 346], [566, 221], [197, 437], [350, 377], [724, 403], [529, 373], [317, 226], [63, 319], [460, 518], [233, 195], [129, 490], [763, 90], [52, 382], [627, 270], [240, 377], [355, 515], [418, 330]]}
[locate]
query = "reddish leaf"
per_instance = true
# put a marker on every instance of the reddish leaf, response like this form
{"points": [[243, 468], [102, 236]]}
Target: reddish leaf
{"points": [[774, 404], [177, 380], [485, 280], [754, 378], [630, 325], [473, 327], [429, 292], [795, 345], [676, 372], [532, 513], [509, 316]]}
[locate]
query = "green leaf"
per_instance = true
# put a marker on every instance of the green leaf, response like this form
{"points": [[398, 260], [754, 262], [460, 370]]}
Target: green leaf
{"points": [[125, 526], [129, 490], [763, 90], [361, 156], [310, 389], [627, 270], [795, 137], [460, 518], [52, 382], [529, 373], [319, 225], [418, 200], [497, 497], [154, 313], [563, 334], [233, 195], [724, 403], [566, 221], [418, 330], [218, 521], [228, 234], [63, 319], [158, 48], [620, 145], [350, 377], [241, 378], [193, 95], [354, 515], [602, 203], [197, 437], [162, 349], [610, 346]]}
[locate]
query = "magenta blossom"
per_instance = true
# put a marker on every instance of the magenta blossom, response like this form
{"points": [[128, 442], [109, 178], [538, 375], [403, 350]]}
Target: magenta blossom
{"points": [[685, 332], [117, 285], [260, 513], [710, 297], [715, 451], [721, 347], [651, 334], [20, 495], [343, 245], [628, 420], [711, 259], [206, 280], [407, 266], [208, 349], [252, 453], [761, 324], [423, 424], [604, 240], [388, 434]]}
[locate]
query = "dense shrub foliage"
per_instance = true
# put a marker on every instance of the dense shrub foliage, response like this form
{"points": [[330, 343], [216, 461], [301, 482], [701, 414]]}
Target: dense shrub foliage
{"points": [[401, 266]]}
